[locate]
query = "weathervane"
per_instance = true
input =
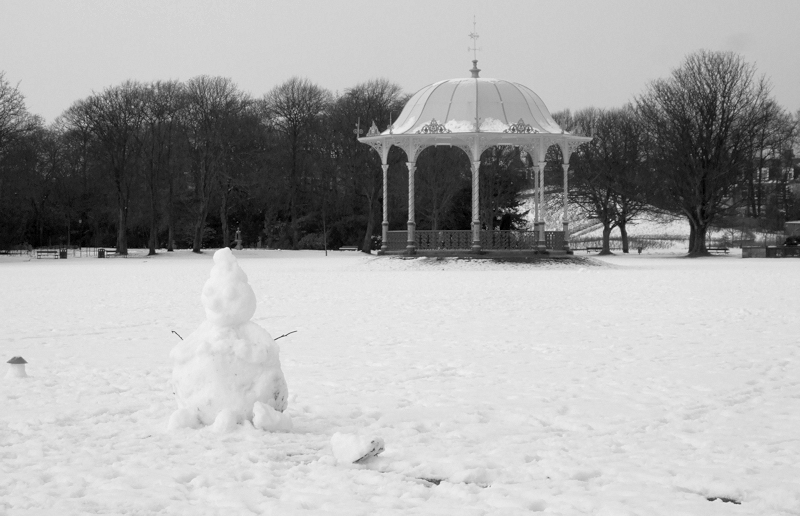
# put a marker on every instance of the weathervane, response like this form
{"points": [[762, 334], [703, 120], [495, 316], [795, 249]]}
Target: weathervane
{"points": [[475, 70], [474, 35], [474, 49]]}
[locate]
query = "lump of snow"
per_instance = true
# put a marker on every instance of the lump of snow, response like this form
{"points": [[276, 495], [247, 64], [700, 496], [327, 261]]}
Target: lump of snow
{"points": [[348, 448], [267, 418], [460, 126], [225, 421], [492, 125], [229, 364], [183, 418]]}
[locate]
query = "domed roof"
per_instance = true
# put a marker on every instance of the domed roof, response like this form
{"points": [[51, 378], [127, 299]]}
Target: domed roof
{"points": [[502, 107]]}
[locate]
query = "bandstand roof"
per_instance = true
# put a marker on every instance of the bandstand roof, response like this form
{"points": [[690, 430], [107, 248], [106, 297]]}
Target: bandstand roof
{"points": [[501, 104], [473, 114]]}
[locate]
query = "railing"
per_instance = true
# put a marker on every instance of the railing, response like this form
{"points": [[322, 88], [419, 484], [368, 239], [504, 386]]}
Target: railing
{"points": [[461, 240]]}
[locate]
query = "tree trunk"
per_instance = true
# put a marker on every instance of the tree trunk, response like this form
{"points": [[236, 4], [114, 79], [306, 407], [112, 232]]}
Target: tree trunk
{"points": [[153, 225], [623, 231], [122, 235], [170, 220], [199, 226], [153, 236], [223, 217], [606, 238], [294, 191], [697, 239], [170, 174]]}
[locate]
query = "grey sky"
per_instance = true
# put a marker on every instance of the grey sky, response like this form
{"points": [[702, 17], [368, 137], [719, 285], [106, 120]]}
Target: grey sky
{"points": [[574, 54]]}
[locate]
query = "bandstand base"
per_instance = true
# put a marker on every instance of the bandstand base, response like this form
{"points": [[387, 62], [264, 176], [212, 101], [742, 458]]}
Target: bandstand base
{"points": [[527, 254]]}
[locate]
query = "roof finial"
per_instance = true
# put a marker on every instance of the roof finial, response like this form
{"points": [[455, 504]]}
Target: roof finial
{"points": [[474, 48]]}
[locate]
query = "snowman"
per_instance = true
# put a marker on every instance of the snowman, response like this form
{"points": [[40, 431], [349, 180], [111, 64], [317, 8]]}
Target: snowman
{"points": [[228, 371]]}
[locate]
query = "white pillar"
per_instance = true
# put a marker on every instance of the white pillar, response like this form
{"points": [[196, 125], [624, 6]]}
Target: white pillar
{"points": [[476, 222], [385, 225], [540, 190], [564, 222], [535, 198], [411, 245]]}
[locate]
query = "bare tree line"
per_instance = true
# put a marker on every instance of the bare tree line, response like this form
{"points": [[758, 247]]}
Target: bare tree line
{"points": [[708, 143], [184, 164]]}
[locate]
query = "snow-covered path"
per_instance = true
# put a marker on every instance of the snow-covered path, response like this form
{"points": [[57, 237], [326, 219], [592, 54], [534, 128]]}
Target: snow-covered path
{"points": [[632, 385]]}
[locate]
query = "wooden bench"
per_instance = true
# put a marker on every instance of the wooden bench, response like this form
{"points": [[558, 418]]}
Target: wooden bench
{"points": [[46, 253], [107, 253], [596, 249], [348, 248], [717, 249]]}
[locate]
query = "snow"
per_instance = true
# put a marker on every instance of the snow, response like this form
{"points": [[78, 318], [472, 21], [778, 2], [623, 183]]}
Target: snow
{"points": [[641, 384], [350, 448], [407, 124], [492, 125], [460, 126]]}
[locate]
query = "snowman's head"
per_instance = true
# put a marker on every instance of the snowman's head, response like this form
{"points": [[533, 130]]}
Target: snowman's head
{"points": [[227, 297]]}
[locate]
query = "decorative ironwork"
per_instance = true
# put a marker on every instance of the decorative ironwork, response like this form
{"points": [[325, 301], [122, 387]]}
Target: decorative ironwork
{"points": [[358, 131], [461, 240], [413, 147], [433, 127], [377, 145], [373, 131], [568, 147], [521, 128], [466, 148]]}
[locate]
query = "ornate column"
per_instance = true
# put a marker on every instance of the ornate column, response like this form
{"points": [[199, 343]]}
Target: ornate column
{"points": [[385, 226], [476, 222], [536, 199], [564, 222], [540, 245], [411, 246]]}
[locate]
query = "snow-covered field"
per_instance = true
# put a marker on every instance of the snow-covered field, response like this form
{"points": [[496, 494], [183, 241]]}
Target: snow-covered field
{"points": [[627, 385]]}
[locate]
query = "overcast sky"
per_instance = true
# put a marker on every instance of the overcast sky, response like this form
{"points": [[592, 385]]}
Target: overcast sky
{"points": [[574, 54]]}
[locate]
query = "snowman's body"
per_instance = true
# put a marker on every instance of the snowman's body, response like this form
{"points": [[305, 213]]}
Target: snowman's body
{"points": [[229, 364]]}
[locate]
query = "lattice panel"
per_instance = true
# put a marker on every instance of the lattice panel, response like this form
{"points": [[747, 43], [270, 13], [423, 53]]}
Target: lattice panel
{"points": [[554, 239], [396, 240], [461, 240], [445, 239]]}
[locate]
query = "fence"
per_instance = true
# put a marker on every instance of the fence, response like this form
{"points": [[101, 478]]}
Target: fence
{"points": [[461, 240]]}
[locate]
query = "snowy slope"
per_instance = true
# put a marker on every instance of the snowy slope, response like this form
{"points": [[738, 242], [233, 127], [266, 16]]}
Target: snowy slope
{"points": [[633, 385]]}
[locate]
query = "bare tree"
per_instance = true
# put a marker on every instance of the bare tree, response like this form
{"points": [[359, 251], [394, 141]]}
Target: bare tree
{"points": [[358, 167], [14, 118], [295, 110], [14, 121], [212, 107], [115, 118], [701, 124], [442, 173], [161, 112], [606, 184]]}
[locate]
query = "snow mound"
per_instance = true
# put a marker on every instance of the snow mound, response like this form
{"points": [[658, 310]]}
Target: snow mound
{"points": [[229, 368], [348, 448]]}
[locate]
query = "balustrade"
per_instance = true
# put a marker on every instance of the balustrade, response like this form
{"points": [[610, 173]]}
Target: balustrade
{"points": [[461, 240]]}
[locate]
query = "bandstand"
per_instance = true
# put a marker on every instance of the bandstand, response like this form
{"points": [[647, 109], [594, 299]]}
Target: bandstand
{"points": [[474, 114]]}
